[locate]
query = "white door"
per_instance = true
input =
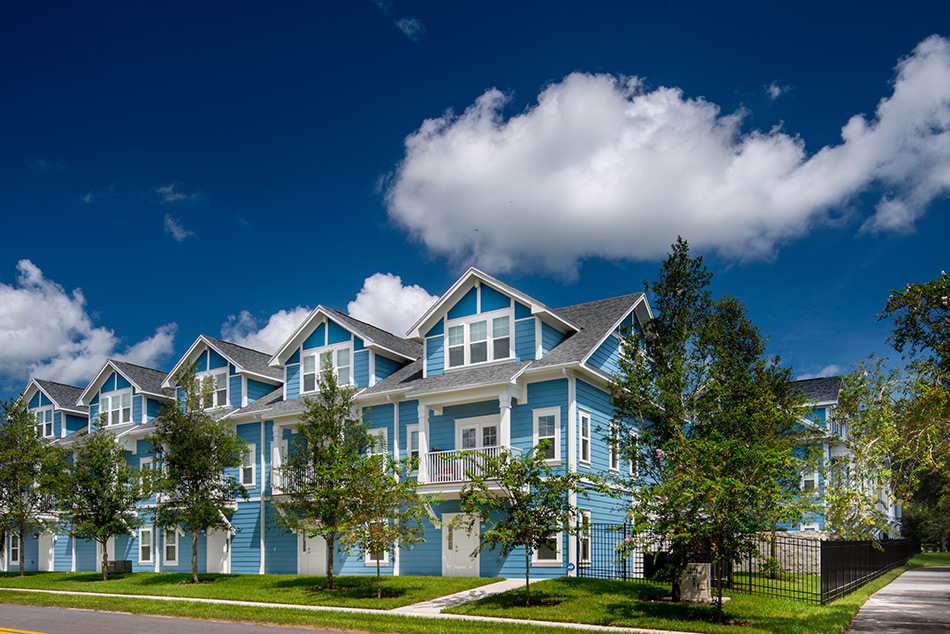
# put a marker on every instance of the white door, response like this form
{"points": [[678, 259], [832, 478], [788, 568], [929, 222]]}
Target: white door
{"points": [[311, 555], [110, 552], [457, 547], [46, 552], [219, 551]]}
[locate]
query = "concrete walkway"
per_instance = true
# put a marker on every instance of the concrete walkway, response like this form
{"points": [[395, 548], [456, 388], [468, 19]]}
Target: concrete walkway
{"points": [[917, 601], [426, 609]]}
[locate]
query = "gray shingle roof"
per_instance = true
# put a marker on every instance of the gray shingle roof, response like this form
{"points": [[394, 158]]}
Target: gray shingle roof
{"points": [[821, 390], [595, 320], [146, 379], [247, 359], [63, 395], [405, 347], [274, 404], [409, 378]]}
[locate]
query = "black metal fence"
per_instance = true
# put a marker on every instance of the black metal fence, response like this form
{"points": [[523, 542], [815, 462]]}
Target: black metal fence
{"points": [[796, 565]]}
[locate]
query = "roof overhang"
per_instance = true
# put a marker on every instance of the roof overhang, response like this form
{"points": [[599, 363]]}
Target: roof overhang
{"points": [[194, 352], [100, 378]]}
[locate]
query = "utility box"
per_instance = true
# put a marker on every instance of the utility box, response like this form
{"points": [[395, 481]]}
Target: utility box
{"points": [[119, 566], [695, 583]]}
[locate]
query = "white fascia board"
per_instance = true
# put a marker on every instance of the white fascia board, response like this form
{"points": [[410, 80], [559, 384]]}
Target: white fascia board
{"points": [[169, 381], [96, 383], [280, 357], [613, 328], [260, 377], [27, 392], [375, 347]]}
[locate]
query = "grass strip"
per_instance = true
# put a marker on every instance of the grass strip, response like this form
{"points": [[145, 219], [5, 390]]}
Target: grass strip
{"points": [[351, 591]]}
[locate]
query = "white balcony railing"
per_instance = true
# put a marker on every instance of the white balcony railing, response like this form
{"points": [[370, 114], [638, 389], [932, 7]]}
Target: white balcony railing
{"points": [[444, 467]]}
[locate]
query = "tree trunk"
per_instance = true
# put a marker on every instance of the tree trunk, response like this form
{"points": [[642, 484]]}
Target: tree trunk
{"points": [[719, 583], [379, 586], [527, 581], [20, 537], [194, 555], [773, 573], [330, 539], [105, 559], [943, 543]]}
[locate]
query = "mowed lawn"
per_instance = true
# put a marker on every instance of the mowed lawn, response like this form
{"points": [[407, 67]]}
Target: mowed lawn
{"points": [[357, 592]]}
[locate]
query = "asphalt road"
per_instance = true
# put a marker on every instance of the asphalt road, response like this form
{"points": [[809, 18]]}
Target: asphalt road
{"points": [[917, 601], [29, 619]]}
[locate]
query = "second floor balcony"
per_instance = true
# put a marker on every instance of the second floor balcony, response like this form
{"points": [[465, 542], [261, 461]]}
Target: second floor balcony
{"points": [[454, 466]]}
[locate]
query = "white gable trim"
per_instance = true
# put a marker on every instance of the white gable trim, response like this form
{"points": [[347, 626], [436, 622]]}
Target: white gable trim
{"points": [[640, 307], [170, 382], [92, 388]]}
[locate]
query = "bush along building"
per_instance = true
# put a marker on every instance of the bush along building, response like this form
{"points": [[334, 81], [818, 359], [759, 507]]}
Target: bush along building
{"points": [[486, 368]]}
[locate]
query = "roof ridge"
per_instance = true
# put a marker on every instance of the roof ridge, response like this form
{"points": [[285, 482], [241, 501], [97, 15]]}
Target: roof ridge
{"points": [[136, 365], [237, 345], [600, 301]]}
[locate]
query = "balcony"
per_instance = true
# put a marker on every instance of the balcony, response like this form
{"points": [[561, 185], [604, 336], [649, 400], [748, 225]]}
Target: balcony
{"points": [[447, 467]]}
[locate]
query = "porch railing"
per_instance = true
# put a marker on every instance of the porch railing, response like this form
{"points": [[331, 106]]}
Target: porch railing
{"points": [[444, 467]]}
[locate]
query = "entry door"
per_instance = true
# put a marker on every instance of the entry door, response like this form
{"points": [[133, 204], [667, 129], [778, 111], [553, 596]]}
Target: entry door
{"points": [[219, 552], [311, 555], [47, 553], [110, 552], [457, 547]]}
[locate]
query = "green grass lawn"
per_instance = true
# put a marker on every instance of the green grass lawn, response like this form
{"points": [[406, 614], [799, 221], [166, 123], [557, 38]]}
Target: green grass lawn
{"points": [[357, 592], [636, 604]]}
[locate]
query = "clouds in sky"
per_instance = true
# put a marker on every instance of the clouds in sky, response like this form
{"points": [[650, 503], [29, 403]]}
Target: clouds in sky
{"points": [[246, 330], [48, 333], [831, 370], [412, 28], [386, 303], [602, 167], [174, 228], [173, 194], [775, 90]]}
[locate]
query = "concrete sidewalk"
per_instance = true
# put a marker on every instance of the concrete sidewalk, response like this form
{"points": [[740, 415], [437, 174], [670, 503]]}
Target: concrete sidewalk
{"points": [[917, 601]]}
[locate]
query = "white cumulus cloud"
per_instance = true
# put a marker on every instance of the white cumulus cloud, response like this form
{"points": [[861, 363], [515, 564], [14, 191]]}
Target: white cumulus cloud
{"points": [[172, 194], [775, 90], [602, 167], [386, 303], [830, 370], [174, 228], [48, 333], [246, 330]]}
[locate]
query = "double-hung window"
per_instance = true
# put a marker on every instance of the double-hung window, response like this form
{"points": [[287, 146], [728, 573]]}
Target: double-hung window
{"points": [[585, 437], [547, 427], [171, 547], [14, 548], [613, 446], [218, 395], [116, 407], [338, 359], [145, 545], [44, 422], [248, 472], [583, 537], [412, 441], [478, 339]]}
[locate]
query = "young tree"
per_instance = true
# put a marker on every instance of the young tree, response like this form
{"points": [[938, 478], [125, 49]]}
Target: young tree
{"points": [[195, 451], [29, 469], [386, 509], [99, 493], [523, 502], [698, 372], [319, 470]]}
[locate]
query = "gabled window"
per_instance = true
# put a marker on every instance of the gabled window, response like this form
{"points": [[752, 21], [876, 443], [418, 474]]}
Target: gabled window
{"points": [[248, 471], [547, 426], [585, 437], [44, 421], [219, 388], [478, 339], [116, 407], [338, 357]]}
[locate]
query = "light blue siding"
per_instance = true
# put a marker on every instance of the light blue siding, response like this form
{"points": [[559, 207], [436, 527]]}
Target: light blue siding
{"points": [[57, 424], [437, 329], [215, 360], [493, 300], [246, 542], [337, 334], [361, 368], [550, 337], [466, 306], [62, 553], [93, 412], [137, 409], [109, 385], [121, 382], [540, 395], [408, 415], [236, 388], [75, 423], [522, 311], [435, 356], [201, 364], [607, 356], [152, 408], [258, 389], [35, 401], [524, 340], [597, 402], [280, 547], [317, 339], [85, 555], [385, 366], [293, 381], [381, 417], [442, 428]]}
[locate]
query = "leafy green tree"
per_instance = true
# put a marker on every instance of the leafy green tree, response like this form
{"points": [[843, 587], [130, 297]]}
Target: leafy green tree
{"points": [[698, 372], [319, 470], [30, 467], [195, 450], [927, 514], [98, 494], [386, 509], [523, 501]]}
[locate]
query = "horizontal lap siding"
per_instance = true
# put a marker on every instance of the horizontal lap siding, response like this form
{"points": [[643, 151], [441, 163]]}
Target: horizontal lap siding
{"points": [[597, 402], [75, 423], [57, 424], [258, 389], [425, 557], [382, 417], [236, 388], [550, 337], [280, 548], [153, 408], [607, 356], [63, 553], [385, 366], [442, 428], [540, 395], [184, 553], [524, 340], [361, 368], [293, 381], [85, 555], [246, 542], [435, 356], [137, 409]]}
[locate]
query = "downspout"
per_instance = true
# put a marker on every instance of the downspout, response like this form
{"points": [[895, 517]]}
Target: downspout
{"points": [[260, 419], [572, 461]]}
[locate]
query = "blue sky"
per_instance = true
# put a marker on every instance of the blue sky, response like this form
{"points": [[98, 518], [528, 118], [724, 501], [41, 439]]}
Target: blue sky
{"points": [[171, 169]]}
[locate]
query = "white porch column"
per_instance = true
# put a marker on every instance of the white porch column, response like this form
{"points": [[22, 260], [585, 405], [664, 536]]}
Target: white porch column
{"points": [[504, 402], [572, 461], [423, 443]]}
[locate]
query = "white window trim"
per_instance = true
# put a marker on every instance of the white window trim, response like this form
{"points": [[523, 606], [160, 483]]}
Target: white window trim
{"points": [[112, 395], [165, 560], [549, 411], [151, 545], [476, 421], [40, 414], [201, 377], [415, 427], [613, 453], [251, 449], [634, 467], [550, 563], [581, 415], [316, 352], [584, 519], [14, 548], [380, 445], [369, 561], [489, 340]]}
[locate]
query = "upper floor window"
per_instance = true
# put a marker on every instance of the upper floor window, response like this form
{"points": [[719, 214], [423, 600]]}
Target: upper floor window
{"points": [[339, 358], [44, 422], [116, 407], [478, 339], [218, 397], [585, 437], [248, 475], [547, 424]]}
